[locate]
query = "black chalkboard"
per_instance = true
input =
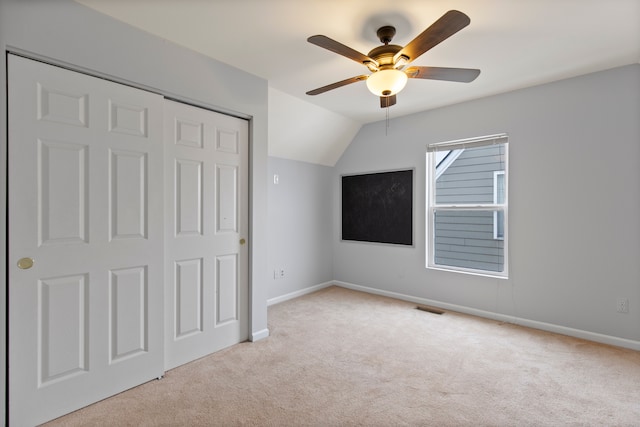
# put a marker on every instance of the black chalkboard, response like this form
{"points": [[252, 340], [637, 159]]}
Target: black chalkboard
{"points": [[378, 207]]}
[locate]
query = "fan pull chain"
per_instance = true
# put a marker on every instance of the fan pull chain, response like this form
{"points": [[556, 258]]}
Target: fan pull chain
{"points": [[386, 127]]}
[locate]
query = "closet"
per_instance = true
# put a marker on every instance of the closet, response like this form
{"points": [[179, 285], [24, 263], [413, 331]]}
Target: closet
{"points": [[128, 223]]}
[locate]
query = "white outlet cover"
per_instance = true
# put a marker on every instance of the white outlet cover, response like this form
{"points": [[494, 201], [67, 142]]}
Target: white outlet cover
{"points": [[623, 305]]}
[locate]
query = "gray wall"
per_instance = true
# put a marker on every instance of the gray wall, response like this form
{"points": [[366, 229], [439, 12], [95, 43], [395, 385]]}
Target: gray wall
{"points": [[574, 204], [68, 33], [300, 225]]}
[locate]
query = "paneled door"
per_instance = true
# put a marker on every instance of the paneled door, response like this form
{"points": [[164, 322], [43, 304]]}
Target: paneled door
{"points": [[206, 169], [85, 240]]}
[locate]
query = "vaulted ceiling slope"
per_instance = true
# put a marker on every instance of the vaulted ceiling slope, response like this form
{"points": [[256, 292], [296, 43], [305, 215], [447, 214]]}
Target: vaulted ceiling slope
{"points": [[515, 44]]}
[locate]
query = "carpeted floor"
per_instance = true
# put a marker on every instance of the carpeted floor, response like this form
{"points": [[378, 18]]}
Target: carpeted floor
{"points": [[343, 358]]}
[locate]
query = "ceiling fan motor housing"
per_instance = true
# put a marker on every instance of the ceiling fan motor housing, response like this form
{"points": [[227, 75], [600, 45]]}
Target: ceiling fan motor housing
{"points": [[386, 80], [384, 54]]}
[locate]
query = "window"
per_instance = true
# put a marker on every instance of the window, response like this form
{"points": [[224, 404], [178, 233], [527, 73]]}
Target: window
{"points": [[467, 215]]}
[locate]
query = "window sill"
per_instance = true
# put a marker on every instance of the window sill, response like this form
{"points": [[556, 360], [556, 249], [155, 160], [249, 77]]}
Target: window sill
{"points": [[493, 275]]}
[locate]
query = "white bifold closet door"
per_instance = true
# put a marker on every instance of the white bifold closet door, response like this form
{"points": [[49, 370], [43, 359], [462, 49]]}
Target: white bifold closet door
{"points": [[206, 179], [86, 265]]}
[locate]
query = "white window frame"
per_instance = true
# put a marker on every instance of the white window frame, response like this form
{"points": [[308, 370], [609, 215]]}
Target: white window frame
{"points": [[432, 207]]}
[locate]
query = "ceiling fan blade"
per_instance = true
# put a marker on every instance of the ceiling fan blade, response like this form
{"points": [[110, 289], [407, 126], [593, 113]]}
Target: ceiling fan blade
{"points": [[464, 75], [387, 101], [340, 49], [337, 85], [448, 24]]}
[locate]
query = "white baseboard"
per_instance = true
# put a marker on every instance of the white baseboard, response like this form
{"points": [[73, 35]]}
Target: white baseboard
{"points": [[578, 333], [298, 293], [259, 335]]}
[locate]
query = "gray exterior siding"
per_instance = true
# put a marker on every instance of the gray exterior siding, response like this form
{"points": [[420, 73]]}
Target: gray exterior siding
{"points": [[466, 238]]}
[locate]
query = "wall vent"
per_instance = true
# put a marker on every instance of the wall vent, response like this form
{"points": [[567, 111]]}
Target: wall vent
{"points": [[429, 309]]}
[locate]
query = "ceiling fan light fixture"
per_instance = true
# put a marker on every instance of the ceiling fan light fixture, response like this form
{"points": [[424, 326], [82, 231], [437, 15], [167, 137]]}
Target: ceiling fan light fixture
{"points": [[387, 82]]}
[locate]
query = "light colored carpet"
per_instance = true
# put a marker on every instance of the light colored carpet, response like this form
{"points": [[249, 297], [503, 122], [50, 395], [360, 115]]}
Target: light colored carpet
{"points": [[344, 358]]}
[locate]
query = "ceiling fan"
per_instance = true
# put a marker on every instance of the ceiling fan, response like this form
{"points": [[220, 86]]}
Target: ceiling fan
{"points": [[387, 62]]}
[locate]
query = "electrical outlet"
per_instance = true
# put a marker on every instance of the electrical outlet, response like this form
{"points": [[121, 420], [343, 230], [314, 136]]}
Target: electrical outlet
{"points": [[278, 273], [622, 305]]}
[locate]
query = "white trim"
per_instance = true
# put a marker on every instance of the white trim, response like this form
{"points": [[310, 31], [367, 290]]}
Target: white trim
{"points": [[298, 293], [480, 141], [471, 271], [259, 335], [430, 199], [534, 324]]}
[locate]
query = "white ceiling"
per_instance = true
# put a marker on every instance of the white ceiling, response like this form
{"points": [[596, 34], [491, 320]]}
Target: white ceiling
{"points": [[516, 43]]}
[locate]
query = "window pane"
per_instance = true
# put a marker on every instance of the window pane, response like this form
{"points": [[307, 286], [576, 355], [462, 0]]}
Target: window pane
{"points": [[468, 179], [498, 217], [465, 239], [499, 224], [500, 187]]}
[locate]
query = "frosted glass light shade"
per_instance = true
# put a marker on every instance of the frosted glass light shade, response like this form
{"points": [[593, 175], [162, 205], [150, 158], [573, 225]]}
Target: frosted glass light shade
{"points": [[382, 81]]}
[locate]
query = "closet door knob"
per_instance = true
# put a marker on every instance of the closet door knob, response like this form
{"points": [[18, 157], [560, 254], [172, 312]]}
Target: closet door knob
{"points": [[25, 263]]}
